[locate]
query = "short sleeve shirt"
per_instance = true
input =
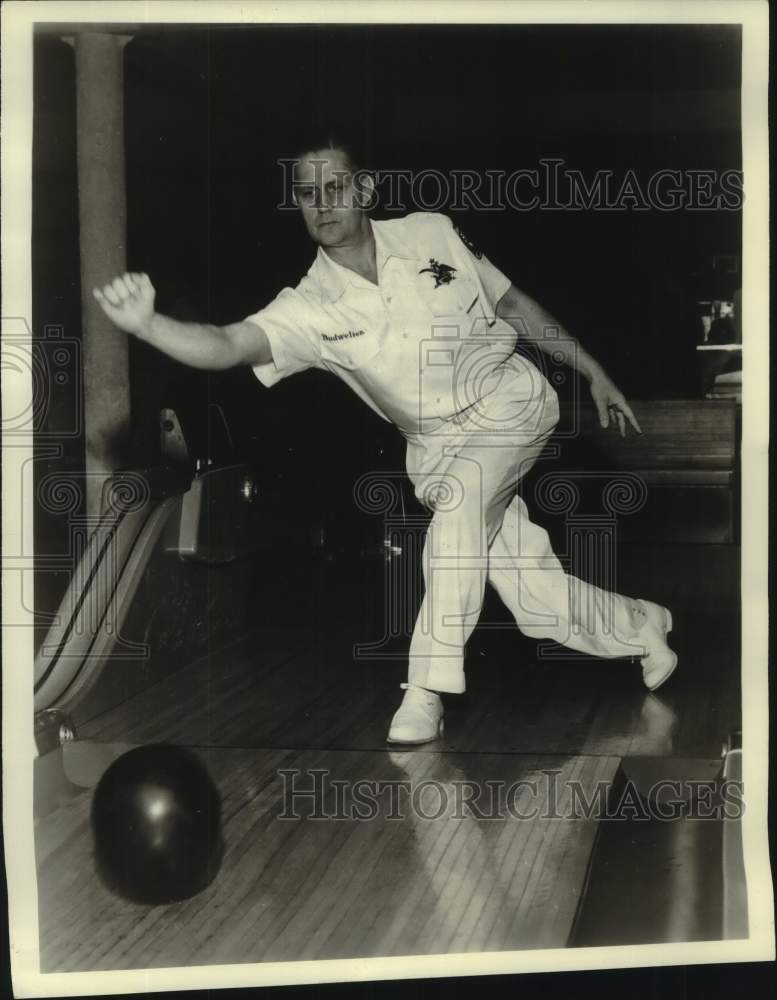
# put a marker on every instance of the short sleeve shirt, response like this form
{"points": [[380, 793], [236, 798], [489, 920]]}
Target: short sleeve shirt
{"points": [[419, 346]]}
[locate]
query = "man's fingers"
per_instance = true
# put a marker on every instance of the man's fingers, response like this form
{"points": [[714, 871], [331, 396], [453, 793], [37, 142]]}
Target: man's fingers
{"points": [[621, 422], [631, 418], [141, 282], [124, 287], [604, 414], [110, 295], [106, 297], [121, 287]]}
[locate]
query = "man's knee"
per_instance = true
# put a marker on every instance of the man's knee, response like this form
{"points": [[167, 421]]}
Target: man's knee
{"points": [[452, 495]]}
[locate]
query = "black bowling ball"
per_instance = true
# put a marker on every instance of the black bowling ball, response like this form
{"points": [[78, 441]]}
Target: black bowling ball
{"points": [[156, 821]]}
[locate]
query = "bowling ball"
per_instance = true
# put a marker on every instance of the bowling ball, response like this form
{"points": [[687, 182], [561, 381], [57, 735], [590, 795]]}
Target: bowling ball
{"points": [[156, 823]]}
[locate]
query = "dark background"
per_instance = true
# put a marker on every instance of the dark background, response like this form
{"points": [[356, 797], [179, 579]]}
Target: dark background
{"points": [[210, 110]]}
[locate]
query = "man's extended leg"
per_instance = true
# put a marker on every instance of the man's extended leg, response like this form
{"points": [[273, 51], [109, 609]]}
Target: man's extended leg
{"points": [[549, 603]]}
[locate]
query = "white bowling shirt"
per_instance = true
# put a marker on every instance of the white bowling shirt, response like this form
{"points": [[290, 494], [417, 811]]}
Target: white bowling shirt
{"points": [[419, 346]]}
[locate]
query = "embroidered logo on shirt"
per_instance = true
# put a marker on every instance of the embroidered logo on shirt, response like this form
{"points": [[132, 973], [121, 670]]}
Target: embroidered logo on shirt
{"points": [[476, 253], [444, 274], [343, 336]]}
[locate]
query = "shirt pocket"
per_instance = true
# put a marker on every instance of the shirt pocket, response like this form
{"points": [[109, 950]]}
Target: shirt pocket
{"points": [[454, 297]]}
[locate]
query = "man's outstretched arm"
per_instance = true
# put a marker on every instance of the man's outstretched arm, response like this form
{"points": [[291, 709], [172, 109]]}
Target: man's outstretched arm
{"points": [[530, 321], [129, 302]]}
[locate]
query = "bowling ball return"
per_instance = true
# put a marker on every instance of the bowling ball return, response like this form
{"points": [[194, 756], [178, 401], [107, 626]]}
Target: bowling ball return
{"points": [[153, 584], [160, 528]]}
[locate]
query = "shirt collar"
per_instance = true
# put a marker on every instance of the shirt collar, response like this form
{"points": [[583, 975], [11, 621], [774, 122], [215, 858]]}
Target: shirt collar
{"points": [[333, 278], [389, 241]]}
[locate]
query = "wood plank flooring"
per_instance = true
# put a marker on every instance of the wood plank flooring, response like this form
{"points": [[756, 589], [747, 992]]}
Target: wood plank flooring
{"points": [[518, 701], [426, 880], [292, 889]]}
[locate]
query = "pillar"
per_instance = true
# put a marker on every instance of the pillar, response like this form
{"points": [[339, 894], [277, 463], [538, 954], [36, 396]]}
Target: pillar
{"points": [[102, 218]]}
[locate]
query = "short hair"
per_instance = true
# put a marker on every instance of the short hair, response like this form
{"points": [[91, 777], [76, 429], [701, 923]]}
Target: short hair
{"points": [[354, 147]]}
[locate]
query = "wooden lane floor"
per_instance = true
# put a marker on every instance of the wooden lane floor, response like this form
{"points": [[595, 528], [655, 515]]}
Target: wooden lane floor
{"points": [[583, 708], [291, 889], [407, 868], [518, 701]]}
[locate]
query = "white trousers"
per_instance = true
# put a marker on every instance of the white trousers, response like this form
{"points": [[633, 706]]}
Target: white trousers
{"points": [[466, 470]]}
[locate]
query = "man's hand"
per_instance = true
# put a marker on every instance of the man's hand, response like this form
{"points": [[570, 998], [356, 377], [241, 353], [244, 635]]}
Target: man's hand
{"points": [[128, 301], [610, 402]]}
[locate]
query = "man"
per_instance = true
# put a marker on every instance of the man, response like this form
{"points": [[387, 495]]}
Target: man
{"points": [[423, 327]]}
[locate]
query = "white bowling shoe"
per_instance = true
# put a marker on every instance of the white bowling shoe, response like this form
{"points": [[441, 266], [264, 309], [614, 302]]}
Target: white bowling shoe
{"points": [[659, 660], [418, 719]]}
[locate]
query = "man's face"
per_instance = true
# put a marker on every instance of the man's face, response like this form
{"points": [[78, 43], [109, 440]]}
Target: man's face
{"points": [[324, 190]]}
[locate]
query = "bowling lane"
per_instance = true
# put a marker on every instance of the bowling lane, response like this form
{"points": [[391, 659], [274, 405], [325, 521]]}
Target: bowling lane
{"points": [[408, 868], [284, 699], [521, 698]]}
